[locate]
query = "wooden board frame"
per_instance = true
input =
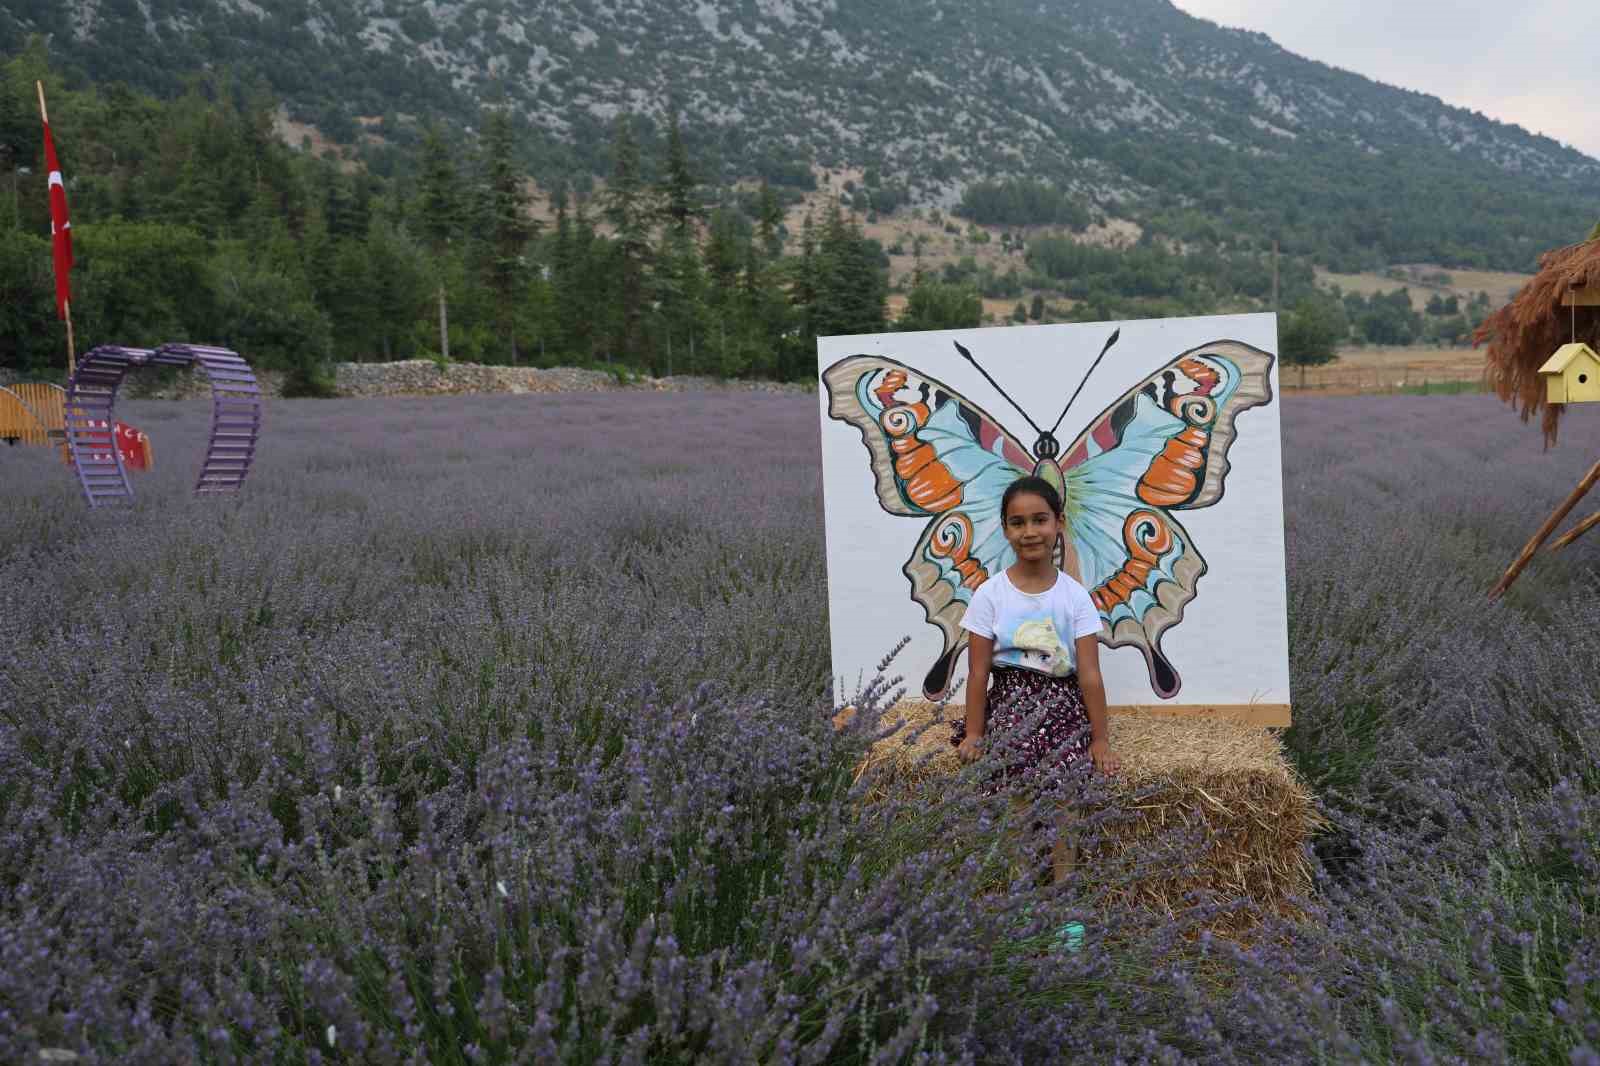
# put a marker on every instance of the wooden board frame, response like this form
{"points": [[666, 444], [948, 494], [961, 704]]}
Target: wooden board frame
{"points": [[1261, 715]]}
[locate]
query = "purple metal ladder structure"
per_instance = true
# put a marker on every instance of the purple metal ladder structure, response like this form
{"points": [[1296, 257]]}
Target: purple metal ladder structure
{"points": [[91, 425]]}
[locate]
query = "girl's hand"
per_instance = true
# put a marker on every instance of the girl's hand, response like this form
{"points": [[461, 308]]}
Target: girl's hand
{"points": [[970, 749], [1105, 760]]}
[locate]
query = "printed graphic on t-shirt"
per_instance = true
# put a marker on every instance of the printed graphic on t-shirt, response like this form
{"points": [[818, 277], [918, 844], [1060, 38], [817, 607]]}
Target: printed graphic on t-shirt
{"points": [[1035, 645]]}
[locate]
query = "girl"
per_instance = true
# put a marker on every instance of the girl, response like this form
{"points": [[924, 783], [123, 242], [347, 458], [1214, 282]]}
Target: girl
{"points": [[1035, 632]]}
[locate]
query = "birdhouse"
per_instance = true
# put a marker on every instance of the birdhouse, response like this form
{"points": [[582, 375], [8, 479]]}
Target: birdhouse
{"points": [[1572, 375]]}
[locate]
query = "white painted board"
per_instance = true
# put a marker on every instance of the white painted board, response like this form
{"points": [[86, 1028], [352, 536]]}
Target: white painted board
{"points": [[1225, 631]]}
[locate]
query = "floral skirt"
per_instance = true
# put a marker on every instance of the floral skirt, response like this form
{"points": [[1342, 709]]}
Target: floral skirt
{"points": [[1054, 712]]}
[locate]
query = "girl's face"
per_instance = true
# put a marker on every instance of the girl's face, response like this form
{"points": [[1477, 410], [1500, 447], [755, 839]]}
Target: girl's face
{"points": [[1031, 527]]}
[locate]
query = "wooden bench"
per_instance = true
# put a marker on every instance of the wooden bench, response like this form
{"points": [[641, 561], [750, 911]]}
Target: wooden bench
{"points": [[32, 412]]}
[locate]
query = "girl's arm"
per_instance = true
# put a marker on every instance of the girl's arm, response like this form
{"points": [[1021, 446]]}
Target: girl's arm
{"points": [[1094, 701], [980, 654]]}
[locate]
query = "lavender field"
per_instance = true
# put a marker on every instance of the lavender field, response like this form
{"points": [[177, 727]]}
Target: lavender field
{"points": [[495, 729]]}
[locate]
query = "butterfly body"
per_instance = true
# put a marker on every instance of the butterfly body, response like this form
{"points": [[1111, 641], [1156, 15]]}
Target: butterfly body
{"points": [[1160, 448]]}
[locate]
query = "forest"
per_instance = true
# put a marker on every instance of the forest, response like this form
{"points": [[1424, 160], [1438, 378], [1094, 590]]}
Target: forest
{"points": [[193, 219]]}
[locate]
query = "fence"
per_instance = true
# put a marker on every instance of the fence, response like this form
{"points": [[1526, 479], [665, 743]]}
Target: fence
{"points": [[1379, 378]]}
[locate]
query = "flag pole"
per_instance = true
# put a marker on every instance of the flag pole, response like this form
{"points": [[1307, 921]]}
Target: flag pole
{"points": [[66, 305]]}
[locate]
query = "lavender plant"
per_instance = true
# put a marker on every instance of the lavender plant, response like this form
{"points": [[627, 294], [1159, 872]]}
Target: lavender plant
{"points": [[496, 729]]}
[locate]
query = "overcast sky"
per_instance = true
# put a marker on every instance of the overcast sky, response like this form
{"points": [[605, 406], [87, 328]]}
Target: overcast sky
{"points": [[1532, 63]]}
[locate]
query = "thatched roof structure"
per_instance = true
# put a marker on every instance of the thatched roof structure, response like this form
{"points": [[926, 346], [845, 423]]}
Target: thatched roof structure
{"points": [[1524, 333]]}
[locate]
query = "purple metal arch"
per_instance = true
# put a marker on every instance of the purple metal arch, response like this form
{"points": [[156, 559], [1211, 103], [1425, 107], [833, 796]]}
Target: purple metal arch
{"points": [[90, 420]]}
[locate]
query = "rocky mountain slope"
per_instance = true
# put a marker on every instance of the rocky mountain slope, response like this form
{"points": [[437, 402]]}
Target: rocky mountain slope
{"points": [[1195, 130]]}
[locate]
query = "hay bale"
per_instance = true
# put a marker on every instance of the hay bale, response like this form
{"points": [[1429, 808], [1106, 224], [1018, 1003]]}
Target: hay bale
{"points": [[1222, 777]]}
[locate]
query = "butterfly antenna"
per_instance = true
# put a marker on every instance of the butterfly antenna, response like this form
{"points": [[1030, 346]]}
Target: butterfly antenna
{"points": [[1109, 342], [997, 388]]}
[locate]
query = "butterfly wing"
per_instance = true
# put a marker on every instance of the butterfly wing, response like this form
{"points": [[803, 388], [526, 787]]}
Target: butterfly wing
{"points": [[934, 455], [1161, 447]]}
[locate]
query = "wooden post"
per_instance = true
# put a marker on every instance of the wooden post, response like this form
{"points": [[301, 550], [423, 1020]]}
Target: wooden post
{"points": [[444, 325], [1545, 530], [1575, 532], [1274, 275], [72, 355]]}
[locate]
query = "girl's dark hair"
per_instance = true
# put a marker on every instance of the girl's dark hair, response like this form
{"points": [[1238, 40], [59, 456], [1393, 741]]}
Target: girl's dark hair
{"points": [[1039, 487]]}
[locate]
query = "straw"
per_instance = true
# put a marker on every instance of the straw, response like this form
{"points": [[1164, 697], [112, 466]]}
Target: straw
{"points": [[1226, 780]]}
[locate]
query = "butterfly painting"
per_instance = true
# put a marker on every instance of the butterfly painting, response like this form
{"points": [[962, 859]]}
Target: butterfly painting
{"points": [[1158, 450]]}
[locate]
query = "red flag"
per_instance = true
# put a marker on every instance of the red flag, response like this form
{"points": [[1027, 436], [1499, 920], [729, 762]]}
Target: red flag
{"points": [[134, 446], [60, 225], [100, 436]]}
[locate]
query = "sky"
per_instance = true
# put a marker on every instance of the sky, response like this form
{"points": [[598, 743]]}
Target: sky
{"points": [[1532, 63]]}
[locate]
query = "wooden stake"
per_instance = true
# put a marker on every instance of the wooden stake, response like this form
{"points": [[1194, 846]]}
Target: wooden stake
{"points": [[1545, 530], [1575, 532]]}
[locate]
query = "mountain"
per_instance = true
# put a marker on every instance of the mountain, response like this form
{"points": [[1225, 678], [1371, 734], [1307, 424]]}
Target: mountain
{"points": [[1203, 134]]}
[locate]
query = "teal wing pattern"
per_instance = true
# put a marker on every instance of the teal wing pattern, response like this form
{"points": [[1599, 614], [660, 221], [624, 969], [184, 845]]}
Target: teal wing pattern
{"points": [[1161, 447], [937, 456]]}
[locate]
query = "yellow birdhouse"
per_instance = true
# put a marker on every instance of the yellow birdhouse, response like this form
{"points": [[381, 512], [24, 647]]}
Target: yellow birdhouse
{"points": [[1572, 375]]}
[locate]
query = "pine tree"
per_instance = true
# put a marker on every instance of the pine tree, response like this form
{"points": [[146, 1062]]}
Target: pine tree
{"points": [[723, 253], [803, 290], [400, 287], [583, 284], [439, 216], [197, 201], [508, 227], [769, 223], [680, 290], [562, 266], [626, 206], [339, 210], [851, 288], [679, 191], [438, 209]]}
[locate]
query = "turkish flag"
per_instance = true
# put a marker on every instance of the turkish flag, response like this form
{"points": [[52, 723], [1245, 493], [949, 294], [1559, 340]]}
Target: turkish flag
{"points": [[98, 437], [60, 226], [134, 446]]}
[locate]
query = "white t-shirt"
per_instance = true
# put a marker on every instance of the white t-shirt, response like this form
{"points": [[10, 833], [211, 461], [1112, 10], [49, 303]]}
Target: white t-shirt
{"points": [[1033, 630]]}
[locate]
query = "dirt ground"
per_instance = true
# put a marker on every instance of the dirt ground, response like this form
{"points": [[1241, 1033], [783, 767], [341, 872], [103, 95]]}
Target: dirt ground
{"points": [[1382, 369], [1464, 284]]}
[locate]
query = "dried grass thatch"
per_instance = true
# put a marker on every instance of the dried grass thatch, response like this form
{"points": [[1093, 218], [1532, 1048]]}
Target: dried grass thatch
{"points": [[1222, 778], [1523, 334]]}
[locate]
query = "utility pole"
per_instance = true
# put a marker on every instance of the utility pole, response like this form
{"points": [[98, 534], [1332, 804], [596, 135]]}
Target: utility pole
{"points": [[444, 325], [1274, 275]]}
